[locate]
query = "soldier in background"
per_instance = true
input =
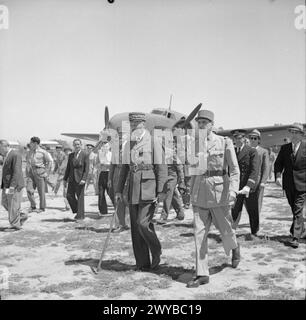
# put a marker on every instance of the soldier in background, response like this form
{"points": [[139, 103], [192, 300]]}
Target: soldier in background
{"points": [[272, 158], [214, 186], [121, 206], [93, 172], [39, 164], [175, 178], [61, 169]]}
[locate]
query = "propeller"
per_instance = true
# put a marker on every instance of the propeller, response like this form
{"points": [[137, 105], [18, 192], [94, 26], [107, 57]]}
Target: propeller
{"points": [[183, 123], [193, 114], [106, 117]]}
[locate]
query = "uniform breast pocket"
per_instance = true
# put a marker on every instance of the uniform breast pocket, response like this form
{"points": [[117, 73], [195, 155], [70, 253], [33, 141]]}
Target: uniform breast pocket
{"points": [[148, 185], [216, 158]]}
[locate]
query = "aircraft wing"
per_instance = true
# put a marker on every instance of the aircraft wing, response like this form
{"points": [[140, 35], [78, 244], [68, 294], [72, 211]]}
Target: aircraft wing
{"points": [[270, 135], [83, 136]]}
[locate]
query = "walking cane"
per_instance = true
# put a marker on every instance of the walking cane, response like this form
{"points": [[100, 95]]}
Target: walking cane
{"points": [[98, 268]]}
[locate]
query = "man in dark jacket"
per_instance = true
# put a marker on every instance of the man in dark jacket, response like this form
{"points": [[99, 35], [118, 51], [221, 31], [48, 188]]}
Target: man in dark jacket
{"points": [[147, 176], [291, 162], [12, 184], [76, 175], [248, 161]]}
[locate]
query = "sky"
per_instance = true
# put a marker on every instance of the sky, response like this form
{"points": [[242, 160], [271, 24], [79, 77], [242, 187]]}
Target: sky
{"points": [[62, 61]]}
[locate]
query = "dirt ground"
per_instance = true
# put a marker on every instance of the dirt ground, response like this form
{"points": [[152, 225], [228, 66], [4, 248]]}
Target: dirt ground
{"points": [[50, 258]]}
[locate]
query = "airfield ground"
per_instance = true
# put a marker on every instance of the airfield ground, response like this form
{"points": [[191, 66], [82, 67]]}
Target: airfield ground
{"points": [[50, 258]]}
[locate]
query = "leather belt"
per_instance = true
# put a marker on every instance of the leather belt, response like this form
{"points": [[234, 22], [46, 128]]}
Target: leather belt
{"points": [[214, 173], [141, 166]]}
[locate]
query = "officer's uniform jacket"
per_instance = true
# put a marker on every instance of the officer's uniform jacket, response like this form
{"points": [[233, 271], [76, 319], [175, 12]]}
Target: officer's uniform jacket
{"points": [[146, 174], [248, 160], [210, 186]]}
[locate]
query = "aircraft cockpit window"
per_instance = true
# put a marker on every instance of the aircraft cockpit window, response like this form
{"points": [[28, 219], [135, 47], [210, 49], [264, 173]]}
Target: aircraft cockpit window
{"points": [[161, 112]]}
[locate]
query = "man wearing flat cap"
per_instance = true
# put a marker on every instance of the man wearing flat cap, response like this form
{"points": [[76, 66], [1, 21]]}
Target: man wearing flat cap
{"points": [[214, 185], [248, 161], [254, 204], [291, 164], [146, 176]]}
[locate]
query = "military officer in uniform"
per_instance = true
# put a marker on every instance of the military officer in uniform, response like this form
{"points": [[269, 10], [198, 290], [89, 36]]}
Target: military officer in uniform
{"points": [[248, 160], [214, 185], [146, 182]]}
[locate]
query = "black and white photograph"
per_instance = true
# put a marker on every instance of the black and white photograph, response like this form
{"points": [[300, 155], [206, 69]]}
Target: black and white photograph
{"points": [[153, 150]]}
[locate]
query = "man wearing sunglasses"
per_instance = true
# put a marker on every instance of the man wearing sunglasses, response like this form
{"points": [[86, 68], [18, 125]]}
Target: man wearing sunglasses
{"points": [[256, 197], [291, 162]]}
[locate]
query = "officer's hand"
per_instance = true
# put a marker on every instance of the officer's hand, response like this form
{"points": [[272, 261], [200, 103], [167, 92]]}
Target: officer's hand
{"points": [[232, 198], [278, 182], [82, 182], [245, 190], [262, 185], [118, 197], [161, 197]]}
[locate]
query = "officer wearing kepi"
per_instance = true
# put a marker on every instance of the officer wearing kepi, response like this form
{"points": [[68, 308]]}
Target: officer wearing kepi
{"points": [[214, 185], [146, 176]]}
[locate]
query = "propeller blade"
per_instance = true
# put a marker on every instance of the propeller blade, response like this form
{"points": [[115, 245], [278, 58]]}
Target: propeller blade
{"points": [[106, 117], [193, 114]]}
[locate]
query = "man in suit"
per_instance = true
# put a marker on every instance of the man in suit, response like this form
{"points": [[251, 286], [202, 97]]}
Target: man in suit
{"points": [[291, 162], [254, 203], [214, 185], [147, 176], [92, 174], [76, 175], [12, 184], [248, 161]]}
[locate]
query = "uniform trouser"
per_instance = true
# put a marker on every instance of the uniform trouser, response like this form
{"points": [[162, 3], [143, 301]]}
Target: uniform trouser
{"points": [[222, 219], [186, 195], [93, 178], [172, 197], [121, 214], [271, 166], [11, 203], [75, 197], [144, 238], [251, 204], [35, 181], [103, 178], [296, 200]]}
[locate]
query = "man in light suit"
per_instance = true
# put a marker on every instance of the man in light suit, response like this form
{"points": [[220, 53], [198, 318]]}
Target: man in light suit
{"points": [[255, 198], [146, 176], [214, 185], [12, 184], [291, 163], [76, 175]]}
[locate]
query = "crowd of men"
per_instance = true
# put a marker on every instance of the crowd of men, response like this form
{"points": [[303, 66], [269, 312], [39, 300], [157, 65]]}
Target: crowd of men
{"points": [[227, 175]]}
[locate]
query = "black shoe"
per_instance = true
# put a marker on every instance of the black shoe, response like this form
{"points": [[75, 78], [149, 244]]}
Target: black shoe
{"points": [[32, 210], [120, 229], [40, 210], [236, 256], [180, 216], [142, 269], [155, 261], [198, 281], [294, 243], [187, 206]]}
